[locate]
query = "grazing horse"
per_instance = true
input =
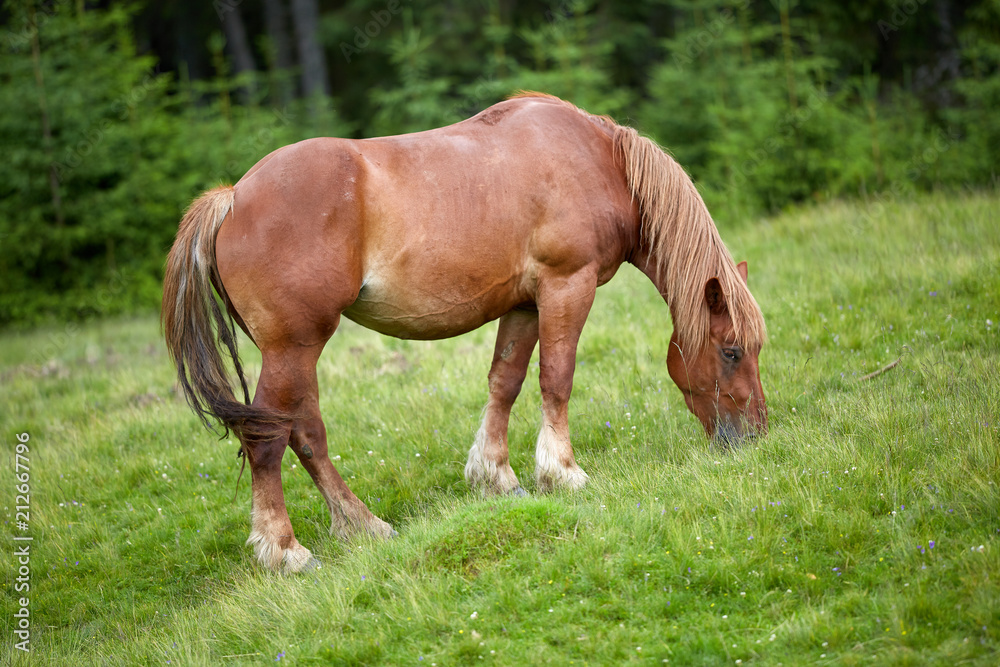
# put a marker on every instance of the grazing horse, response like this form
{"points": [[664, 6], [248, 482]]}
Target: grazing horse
{"points": [[519, 214]]}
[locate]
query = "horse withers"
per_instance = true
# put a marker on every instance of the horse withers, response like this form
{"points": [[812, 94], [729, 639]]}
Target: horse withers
{"points": [[517, 214]]}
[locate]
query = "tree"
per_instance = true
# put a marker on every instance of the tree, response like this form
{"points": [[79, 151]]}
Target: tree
{"points": [[305, 16]]}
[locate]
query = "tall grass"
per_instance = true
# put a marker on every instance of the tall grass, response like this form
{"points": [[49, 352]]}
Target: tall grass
{"points": [[862, 530]]}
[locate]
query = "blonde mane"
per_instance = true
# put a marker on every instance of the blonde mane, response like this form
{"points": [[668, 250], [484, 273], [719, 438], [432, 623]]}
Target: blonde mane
{"points": [[684, 242], [681, 236]]}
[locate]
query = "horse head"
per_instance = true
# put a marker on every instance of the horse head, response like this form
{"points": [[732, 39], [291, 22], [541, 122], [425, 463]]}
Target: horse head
{"points": [[720, 379]]}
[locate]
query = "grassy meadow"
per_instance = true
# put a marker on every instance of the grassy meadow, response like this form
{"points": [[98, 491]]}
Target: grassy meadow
{"points": [[864, 529]]}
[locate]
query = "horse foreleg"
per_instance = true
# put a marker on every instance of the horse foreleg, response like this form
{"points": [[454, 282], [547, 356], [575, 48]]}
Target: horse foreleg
{"points": [[563, 306], [348, 514], [488, 465]]}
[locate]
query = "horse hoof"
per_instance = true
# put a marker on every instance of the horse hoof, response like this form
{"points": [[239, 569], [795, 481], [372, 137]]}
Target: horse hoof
{"points": [[518, 492], [394, 533], [299, 560]]}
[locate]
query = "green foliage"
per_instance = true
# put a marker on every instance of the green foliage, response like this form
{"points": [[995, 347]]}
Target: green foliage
{"points": [[564, 55], [762, 119], [867, 502], [89, 208], [977, 140], [768, 104]]}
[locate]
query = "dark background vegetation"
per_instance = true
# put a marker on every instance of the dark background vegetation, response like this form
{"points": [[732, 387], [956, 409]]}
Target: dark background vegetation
{"points": [[115, 115]]}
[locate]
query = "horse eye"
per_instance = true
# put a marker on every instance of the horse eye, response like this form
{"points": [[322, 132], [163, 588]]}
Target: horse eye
{"points": [[732, 354]]}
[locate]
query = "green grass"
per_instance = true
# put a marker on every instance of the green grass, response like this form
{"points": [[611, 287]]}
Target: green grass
{"points": [[810, 546]]}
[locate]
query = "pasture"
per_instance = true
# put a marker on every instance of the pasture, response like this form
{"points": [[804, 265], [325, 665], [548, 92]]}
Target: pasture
{"points": [[862, 530]]}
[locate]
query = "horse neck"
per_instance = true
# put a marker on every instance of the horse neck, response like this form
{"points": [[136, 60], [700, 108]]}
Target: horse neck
{"points": [[642, 258]]}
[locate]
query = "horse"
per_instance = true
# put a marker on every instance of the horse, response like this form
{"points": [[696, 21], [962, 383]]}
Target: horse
{"points": [[517, 214]]}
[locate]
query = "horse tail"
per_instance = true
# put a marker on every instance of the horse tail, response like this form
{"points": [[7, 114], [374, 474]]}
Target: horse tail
{"points": [[194, 324]]}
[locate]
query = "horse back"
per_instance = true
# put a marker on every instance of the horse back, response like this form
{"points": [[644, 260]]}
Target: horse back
{"points": [[430, 234]]}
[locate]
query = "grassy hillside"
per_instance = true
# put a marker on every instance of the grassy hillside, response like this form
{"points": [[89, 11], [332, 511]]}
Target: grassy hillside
{"points": [[863, 530]]}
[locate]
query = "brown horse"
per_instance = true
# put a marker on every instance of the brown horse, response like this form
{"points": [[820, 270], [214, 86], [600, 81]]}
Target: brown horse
{"points": [[516, 214]]}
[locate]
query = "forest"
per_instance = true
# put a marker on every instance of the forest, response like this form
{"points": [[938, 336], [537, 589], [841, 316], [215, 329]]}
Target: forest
{"points": [[117, 114]]}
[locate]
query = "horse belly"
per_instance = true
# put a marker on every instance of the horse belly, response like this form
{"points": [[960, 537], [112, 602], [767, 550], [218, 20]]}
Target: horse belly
{"points": [[430, 309]]}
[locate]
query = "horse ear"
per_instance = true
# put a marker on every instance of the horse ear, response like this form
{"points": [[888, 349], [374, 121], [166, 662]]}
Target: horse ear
{"points": [[742, 269], [715, 297]]}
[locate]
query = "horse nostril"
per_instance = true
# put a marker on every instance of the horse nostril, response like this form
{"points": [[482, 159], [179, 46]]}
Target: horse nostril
{"points": [[727, 433]]}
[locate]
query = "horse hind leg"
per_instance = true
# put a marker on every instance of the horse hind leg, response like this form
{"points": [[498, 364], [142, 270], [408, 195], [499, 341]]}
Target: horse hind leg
{"points": [[271, 534], [488, 465], [348, 514], [288, 383]]}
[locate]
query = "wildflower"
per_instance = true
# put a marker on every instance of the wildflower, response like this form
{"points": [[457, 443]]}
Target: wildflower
{"points": [[931, 544]]}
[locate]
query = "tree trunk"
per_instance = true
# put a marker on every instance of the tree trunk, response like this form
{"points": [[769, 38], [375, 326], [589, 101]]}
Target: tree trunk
{"points": [[305, 15], [238, 47], [43, 108], [280, 57]]}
